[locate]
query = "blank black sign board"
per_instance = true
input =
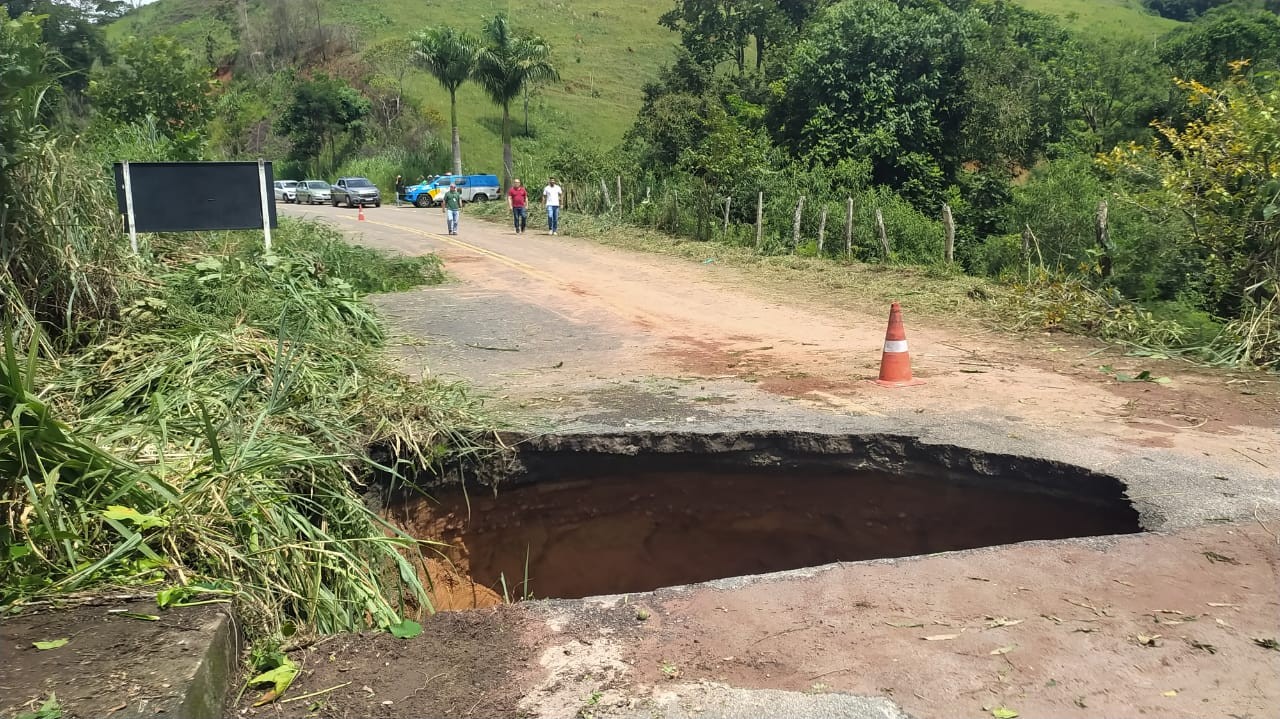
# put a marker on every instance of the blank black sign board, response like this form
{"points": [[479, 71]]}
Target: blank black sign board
{"points": [[186, 196]]}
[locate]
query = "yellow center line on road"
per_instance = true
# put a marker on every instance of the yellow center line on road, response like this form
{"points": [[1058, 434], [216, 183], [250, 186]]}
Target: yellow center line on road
{"points": [[624, 312], [504, 259]]}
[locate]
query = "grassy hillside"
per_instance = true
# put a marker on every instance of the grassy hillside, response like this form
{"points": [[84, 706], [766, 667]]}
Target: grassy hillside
{"points": [[605, 50], [1113, 18]]}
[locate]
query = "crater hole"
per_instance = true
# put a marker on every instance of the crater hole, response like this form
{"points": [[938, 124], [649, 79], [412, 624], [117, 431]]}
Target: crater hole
{"points": [[570, 523]]}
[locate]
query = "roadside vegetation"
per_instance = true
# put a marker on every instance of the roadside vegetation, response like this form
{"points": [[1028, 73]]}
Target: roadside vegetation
{"points": [[194, 422]]}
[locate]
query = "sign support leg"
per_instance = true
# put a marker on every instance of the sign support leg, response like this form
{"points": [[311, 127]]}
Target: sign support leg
{"points": [[128, 205], [266, 215]]}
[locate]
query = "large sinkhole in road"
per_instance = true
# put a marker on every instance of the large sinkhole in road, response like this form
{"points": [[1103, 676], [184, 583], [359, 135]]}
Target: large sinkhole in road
{"points": [[576, 516]]}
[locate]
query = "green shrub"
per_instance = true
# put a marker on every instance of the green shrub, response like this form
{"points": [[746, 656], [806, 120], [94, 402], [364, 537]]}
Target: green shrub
{"points": [[999, 256], [381, 168]]}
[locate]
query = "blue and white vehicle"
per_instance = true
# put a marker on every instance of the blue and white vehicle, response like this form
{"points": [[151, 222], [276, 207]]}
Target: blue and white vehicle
{"points": [[475, 188]]}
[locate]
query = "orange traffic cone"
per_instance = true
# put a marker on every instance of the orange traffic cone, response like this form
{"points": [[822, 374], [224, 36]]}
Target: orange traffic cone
{"points": [[895, 363], [360, 215]]}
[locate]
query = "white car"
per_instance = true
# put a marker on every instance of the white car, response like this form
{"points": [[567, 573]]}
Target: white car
{"points": [[286, 190], [312, 192]]}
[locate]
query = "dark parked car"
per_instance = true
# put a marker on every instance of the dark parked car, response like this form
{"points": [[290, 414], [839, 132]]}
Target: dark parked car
{"points": [[354, 191]]}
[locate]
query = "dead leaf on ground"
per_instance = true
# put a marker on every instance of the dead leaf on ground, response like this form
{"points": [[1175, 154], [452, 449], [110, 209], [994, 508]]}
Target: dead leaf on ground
{"points": [[51, 644], [939, 637], [1148, 640], [1266, 643], [1090, 607], [906, 625], [1004, 713], [1203, 647], [993, 622], [1002, 650], [1170, 693], [1222, 604], [1215, 558], [1166, 611]]}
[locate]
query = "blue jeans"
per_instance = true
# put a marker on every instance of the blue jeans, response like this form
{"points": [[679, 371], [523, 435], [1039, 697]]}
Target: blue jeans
{"points": [[451, 219], [519, 215], [553, 218]]}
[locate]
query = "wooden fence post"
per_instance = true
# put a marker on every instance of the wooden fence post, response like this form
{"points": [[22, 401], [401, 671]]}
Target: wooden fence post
{"points": [[675, 212], [759, 220], [1026, 248], [1035, 241], [884, 237], [727, 201], [848, 226], [1104, 239], [795, 225], [604, 190], [621, 204], [822, 230], [949, 226]]}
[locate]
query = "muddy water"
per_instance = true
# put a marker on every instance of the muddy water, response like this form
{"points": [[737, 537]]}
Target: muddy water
{"points": [[607, 533]]}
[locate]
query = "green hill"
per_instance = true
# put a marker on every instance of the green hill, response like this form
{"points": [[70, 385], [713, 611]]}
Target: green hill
{"points": [[605, 51], [1106, 18]]}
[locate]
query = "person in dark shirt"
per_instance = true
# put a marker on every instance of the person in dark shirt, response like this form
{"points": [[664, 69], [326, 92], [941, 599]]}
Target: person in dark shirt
{"points": [[399, 189]]}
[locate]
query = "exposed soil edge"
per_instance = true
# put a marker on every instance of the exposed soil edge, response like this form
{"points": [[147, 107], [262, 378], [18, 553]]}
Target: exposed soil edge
{"points": [[533, 458]]}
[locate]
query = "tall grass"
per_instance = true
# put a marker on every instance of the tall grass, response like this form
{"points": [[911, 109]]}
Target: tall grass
{"points": [[217, 437], [62, 254]]}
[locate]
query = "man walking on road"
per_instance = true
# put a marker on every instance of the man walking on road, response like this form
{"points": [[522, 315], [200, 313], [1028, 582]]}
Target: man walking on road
{"points": [[517, 198], [452, 204], [399, 189], [551, 198]]}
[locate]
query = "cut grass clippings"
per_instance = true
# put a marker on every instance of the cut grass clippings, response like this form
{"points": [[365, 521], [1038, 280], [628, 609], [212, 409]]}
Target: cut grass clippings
{"points": [[215, 436]]}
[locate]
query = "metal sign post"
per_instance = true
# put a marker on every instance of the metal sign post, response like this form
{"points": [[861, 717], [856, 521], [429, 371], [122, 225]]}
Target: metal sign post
{"points": [[266, 217], [128, 203]]}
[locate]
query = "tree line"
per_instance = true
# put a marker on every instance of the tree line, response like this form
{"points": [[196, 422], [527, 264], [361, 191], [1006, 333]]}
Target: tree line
{"points": [[1016, 123]]}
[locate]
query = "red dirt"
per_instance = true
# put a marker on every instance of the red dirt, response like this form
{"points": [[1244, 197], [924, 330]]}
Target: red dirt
{"points": [[668, 318], [1076, 611], [633, 528], [682, 319]]}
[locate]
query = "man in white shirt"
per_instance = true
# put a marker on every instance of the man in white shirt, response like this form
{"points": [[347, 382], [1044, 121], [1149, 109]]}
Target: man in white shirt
{"points": [[551, 198]]}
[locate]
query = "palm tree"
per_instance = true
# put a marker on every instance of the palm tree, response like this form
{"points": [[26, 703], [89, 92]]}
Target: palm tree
{"points": [[450, 56], [506, 65]]}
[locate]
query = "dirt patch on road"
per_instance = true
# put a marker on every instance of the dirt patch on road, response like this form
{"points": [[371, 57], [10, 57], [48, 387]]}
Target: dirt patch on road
{"points": [[1161, 625]]}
